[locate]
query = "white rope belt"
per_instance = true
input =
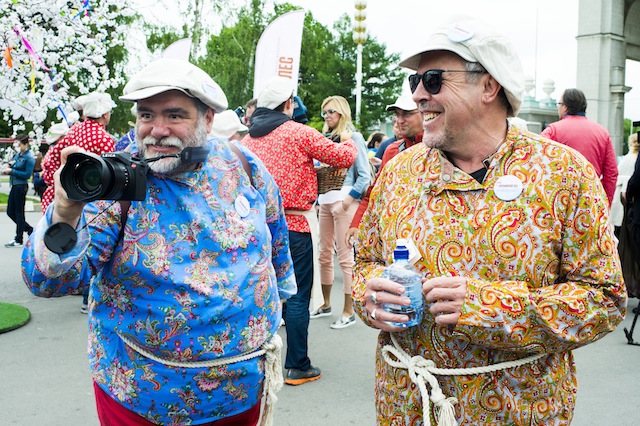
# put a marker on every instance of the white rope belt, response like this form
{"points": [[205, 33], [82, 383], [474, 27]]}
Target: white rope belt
{"points": [[273, 379], [422, 371]]}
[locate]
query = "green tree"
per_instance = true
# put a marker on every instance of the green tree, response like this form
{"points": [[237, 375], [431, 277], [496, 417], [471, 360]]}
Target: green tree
{"points": [[230, 56], [73, 49], [327, 66], [381, 80]]}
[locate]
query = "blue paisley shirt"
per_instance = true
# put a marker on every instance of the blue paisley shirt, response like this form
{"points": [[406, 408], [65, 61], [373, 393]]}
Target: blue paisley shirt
{"points": [[198, 274]]}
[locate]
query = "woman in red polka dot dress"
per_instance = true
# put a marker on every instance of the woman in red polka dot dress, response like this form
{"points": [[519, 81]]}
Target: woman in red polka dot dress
{"points": [[90, 134]]}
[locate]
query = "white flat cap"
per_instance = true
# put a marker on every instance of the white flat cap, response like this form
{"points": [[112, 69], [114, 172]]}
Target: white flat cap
{"points": [[167, 74]]}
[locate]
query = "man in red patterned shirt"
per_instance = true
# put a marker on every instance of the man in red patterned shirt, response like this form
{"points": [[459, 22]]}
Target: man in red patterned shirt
{"points": [[287, 149], [90, 134]]}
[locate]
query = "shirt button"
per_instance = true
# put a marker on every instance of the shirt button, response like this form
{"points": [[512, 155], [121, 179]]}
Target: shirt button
{"points": [[446, 178]]}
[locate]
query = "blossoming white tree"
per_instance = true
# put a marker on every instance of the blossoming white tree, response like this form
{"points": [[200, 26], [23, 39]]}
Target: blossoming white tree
{"points": [[54, 51]]}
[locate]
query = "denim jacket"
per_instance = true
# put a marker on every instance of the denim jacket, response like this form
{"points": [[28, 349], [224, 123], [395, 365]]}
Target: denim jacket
{"points": [[22, 168], [359, 175]]}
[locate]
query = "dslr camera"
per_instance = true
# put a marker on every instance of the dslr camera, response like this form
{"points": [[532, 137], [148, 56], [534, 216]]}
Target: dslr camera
{"points": [[111, 176]]}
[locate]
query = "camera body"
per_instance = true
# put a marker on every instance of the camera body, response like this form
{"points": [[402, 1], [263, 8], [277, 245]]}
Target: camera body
{"points": [[112, 176]]}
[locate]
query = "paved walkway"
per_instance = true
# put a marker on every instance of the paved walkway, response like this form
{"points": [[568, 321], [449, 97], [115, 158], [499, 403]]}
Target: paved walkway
{"points": [[45, 379]]}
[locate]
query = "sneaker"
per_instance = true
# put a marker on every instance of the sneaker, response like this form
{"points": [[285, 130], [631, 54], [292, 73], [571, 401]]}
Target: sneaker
{"points": [[13, 243], [281, 322], [84, 308], [320, 312], [343, 322], [297, 377]]}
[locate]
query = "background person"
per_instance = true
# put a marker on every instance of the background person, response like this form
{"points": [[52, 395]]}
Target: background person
{"points": [[625, 170], [227, 125], [337, 208], [38, 182], [185, 305], [89, 134], [288, 149], [373, 142], [500, 282], [19, 170], [585, 136], [249, 107], [408, 123]]}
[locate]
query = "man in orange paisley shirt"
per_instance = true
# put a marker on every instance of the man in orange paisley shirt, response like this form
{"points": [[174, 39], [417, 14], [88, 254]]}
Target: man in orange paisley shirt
{"points": [[512, 234]]}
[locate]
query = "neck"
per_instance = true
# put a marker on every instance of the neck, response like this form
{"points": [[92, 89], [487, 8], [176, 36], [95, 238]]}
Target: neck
{"points": [[469, 161]]}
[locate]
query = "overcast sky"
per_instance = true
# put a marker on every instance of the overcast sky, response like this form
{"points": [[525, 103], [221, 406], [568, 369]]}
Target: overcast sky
{"points": [[548, 50], [544, 31]]}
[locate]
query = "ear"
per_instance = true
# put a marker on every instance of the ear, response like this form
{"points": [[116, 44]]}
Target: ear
{"points": [[491, 89], [208, 119]]}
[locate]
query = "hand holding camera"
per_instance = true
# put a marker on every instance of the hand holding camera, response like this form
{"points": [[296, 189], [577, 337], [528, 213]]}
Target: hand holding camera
{"points": [[65, 210]]}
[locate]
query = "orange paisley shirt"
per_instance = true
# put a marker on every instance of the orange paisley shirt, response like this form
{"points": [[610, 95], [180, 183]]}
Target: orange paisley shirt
{"points": [[543, 277]]}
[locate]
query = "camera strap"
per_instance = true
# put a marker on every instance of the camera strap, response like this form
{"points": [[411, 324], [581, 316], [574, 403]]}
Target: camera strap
{"points": [[124, 211], [244, 161]]}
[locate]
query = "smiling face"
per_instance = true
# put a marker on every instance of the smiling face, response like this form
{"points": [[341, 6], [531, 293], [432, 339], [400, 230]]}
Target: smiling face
{"points": [[409, 123], [167, 123], [448, 117]]}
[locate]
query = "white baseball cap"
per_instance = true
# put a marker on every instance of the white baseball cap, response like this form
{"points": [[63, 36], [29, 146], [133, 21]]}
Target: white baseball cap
{"points": [[96, 104], [404, 102], [226, 124], [55, 132], [275, 92], [167, 74], [475, 41]]}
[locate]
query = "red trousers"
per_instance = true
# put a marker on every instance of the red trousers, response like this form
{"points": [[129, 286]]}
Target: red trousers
{"points": [[111, 413]]}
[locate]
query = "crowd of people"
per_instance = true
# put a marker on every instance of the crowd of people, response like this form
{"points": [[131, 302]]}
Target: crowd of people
{"points": [[185, 290]]}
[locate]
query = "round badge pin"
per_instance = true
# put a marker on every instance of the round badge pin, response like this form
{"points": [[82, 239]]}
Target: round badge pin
{"points": [[508, 187], [242, 206], [460, 32]]}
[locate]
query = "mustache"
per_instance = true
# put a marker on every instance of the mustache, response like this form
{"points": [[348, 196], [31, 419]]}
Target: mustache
{"points": [[170, 141]]}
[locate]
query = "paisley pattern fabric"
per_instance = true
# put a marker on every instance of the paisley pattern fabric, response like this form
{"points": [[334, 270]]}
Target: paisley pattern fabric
{"points": [[543, 277], [196, 276]]}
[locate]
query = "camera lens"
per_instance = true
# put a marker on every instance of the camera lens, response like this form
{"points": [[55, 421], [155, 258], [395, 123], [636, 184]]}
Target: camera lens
{"points": [[84, 176], [89, 177], [112, 176]]}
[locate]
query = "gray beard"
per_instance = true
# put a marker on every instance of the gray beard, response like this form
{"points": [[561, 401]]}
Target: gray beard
{"points": [[172, 166]]}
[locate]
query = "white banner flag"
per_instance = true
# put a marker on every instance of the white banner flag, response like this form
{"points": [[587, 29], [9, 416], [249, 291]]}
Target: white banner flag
{"points": [[178, 49], [278, 50]]}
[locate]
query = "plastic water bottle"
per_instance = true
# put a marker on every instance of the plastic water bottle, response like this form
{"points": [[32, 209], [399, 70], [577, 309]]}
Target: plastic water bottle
{"points": [[402, 272]]}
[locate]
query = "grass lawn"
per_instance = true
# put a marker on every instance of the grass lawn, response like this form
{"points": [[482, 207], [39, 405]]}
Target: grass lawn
{"points": [[5, 197]]}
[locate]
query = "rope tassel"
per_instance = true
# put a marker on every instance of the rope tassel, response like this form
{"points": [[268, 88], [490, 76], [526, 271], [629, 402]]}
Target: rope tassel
{"points": [[273, 381], [422, 371]]}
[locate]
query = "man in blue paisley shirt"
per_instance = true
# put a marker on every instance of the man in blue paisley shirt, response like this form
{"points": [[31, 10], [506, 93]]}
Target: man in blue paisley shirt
{"points": [[185, 300]]}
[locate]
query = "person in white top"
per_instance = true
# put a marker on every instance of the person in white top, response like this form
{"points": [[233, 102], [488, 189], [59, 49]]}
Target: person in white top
{"points": [[625, 170]]}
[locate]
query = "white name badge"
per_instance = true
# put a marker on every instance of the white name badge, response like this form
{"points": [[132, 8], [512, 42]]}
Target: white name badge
{"points": [[242, 206], [508, 187]]}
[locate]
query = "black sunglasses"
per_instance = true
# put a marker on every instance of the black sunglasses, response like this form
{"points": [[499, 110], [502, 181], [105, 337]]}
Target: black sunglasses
{"points": [[432, 80]]}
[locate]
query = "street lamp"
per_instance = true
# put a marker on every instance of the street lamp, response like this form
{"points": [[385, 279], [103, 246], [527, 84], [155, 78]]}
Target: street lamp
{"points": [[359, 37]]}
